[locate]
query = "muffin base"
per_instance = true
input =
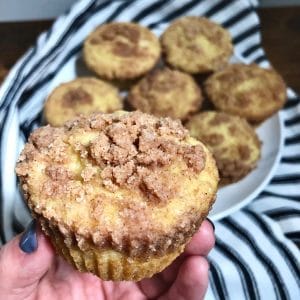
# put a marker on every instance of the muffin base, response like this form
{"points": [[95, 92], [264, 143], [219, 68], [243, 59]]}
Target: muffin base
{"points": [[107, 264]]}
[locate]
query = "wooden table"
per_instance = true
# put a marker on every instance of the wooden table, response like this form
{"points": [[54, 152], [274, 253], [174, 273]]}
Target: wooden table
{"points": [[280, 35]]}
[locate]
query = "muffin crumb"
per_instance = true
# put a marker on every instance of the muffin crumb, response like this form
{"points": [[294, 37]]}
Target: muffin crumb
{"points": [[78, 95]]}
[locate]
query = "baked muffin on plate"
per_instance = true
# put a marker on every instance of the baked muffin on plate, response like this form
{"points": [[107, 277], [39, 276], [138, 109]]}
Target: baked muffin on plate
{"points": [[121, 51], [167, 93], [118, 194], [232, 141], [84, 95], [248, 91], [196, 45]]}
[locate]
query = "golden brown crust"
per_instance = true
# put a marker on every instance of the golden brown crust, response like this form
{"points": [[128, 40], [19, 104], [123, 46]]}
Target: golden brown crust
{"points": [[83, 95], [248, 91], [232, 141], [129, 182], [121, 50], [196, 45], [166, 93]]}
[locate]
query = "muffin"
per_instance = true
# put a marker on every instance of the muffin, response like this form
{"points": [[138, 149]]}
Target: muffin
{"points": [[121, 51], [80, 96], [118, 194], [196, 45], [166, 93], [232, 141], [248, 91]]}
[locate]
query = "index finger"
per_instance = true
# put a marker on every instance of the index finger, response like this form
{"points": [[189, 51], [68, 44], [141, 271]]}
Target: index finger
{"points": [[202, 241]]}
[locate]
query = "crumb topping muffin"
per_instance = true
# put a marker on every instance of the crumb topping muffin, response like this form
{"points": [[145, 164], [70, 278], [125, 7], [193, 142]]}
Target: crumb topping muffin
{"points": [[196, 45], [121, 50], [119, 194], [248, 91], [167, 93], [80, 96], [232, 141]]}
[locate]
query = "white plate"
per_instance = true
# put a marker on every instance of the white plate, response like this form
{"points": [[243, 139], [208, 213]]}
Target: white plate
{"points": [[234, 196]]}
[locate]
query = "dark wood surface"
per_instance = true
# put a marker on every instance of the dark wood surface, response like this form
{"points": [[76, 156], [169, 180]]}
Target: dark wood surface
{"points": [[280, 37]]}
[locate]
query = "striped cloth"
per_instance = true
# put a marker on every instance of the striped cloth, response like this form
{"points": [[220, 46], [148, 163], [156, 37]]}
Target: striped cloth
{"points": [[255, 256]]}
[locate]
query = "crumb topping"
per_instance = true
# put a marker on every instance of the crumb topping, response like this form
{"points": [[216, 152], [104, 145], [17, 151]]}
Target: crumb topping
{"points": [[163, 81], [244, 151], [130, 150], [123, 37], [76, 96], [213, 139], [195, 44], [243, 89], [166, 92], [219, 119], [133, 150]]}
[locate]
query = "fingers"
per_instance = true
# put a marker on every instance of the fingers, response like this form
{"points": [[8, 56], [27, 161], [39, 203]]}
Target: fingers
{"points": [[23, 262], [203, 241], [191, 282], [154, 286]]}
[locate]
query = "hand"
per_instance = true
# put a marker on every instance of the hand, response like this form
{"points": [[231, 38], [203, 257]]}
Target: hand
{"points": [[40, 274]]}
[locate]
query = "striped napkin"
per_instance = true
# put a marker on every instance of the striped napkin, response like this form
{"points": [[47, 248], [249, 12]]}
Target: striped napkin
{"points": [[255, 256]]}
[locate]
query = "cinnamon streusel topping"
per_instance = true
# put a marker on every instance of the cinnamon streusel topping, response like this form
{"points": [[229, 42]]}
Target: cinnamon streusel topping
{"points": [[119, 178]]}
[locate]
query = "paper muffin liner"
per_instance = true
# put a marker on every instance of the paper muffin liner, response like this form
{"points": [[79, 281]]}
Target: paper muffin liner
{"points": [[107, 264]]}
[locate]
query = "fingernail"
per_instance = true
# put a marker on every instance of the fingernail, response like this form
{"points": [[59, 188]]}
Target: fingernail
{"points": [[212, 223], [28, 241]]}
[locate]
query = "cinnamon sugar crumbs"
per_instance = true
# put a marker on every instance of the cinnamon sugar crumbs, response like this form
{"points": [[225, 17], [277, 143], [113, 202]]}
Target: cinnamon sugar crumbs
{"points": [[162, 81], [124, 49], [127, 32], [124, 38], [194, 157], [131, 157], [45, 136], [76, 96], [219, 119], [131, 150], [213, 139], [88, 173], [244, 151], [58, 173]]}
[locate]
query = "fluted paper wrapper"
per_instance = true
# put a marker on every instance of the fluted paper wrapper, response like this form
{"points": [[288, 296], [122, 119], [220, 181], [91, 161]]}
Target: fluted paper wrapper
{"points": [[107, 264]]}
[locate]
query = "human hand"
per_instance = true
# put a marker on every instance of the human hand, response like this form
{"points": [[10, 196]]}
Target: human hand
{"points": [[41, 274]]}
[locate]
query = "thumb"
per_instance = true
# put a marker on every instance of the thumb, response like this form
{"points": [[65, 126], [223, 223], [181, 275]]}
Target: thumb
{"points": [[23, 262]]}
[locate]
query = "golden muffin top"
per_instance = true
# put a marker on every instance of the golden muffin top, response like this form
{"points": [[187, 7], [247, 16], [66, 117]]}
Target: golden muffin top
{"points": [[196, 45], [121, 50], [248, 91], [232, 141], [83, 95], [166, 92], [120, 178]]}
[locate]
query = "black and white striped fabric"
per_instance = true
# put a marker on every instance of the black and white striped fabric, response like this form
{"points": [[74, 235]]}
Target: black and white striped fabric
{"points": [[255, 256]]}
